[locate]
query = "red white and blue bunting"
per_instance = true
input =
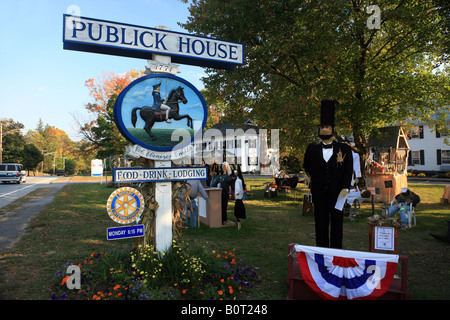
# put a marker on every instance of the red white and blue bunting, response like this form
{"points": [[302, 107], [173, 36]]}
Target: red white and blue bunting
{"points": [[345, 274]]}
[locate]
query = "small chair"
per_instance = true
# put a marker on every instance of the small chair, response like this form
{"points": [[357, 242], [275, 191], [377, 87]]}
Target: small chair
{"points": [[412, 213], [353, 209]]}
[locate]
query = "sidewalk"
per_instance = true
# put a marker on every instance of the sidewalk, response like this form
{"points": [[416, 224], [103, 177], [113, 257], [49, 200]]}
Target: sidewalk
{"points": [[14, 222]]}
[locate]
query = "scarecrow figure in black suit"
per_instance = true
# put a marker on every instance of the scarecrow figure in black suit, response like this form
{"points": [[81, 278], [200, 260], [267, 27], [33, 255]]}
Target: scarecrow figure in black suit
{"points": [[329, 167]]}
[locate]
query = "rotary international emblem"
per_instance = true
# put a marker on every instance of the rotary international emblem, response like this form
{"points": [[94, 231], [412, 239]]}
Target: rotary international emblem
{"points": [[125, 205]]}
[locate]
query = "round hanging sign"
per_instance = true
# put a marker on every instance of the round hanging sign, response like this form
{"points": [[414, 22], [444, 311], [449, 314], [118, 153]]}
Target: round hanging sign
{"points": [[160, 112], [125, 205]]}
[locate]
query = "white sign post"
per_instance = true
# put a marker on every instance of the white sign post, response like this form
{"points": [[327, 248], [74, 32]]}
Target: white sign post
{"points": [[163, 223], [163, 190]]}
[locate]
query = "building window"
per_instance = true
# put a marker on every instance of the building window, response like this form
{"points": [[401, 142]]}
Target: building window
{"points": [[445, 156], [230, 144], [252, 161], [417, 158], [416, 133], [444, 132], [415, 155]]}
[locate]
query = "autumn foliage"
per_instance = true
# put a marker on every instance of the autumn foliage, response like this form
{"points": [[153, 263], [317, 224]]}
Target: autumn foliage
{"points": [[109, 85], [102, 132]]}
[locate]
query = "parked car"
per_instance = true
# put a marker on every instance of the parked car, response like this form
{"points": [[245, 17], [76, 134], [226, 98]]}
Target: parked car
{"points": [[12, 172], [61, 173]]}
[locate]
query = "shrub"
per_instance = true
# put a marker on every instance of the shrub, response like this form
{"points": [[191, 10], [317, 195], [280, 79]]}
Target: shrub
{"points": [[183, 272]]}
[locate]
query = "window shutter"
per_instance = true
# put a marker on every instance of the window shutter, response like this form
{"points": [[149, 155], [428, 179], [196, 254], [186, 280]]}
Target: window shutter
{"points": [[409, 158], [438, 134], [420, 132], [422, 157], [438, 155]]}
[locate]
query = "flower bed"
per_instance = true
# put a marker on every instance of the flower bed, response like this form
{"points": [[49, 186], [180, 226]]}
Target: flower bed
{"points": [[183, 272]]}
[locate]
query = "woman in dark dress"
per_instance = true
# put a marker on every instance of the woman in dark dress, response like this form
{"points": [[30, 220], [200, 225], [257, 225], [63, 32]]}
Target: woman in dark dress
{"points": [[239, 187]]}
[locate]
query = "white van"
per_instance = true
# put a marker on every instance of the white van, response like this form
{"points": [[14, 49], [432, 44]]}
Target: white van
{"points": [[12, 172]]}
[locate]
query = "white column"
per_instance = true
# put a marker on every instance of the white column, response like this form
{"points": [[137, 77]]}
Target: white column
{"points": [[163, 222]]}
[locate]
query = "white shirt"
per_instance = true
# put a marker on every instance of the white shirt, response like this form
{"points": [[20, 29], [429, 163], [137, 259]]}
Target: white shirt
{"points": [[327, 153], [356, 166], [238, 189]]}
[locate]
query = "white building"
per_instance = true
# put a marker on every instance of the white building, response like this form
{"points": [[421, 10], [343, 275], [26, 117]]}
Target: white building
{"points": [[246, 146], [429, 152]]}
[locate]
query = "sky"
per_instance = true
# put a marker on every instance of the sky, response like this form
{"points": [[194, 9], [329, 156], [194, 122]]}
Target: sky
{"points": [[41, 80]]}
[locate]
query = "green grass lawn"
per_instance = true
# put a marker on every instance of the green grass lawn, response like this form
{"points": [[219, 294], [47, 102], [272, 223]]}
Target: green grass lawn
{"points": [[75, 224]]}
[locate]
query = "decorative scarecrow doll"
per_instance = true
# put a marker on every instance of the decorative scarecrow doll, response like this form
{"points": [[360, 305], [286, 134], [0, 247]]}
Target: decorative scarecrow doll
{"points": [[329, 167]]}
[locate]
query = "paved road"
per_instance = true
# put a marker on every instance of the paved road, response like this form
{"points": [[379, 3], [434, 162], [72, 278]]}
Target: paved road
{"points": [[14, 221], [10, 192]]}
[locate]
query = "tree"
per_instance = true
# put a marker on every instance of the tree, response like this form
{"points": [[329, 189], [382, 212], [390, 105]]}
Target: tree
{"points": [[300, 52], [106, 134], [15, 147], [102, 132], [54, 144], [32, 156], [12, 142]]}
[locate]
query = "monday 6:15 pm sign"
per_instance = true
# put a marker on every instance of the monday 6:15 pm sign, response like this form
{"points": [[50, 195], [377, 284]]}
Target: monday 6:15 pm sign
{"points": [[125, 175]]}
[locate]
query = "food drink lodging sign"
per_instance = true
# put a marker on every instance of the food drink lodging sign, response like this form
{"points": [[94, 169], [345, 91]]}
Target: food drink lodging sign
{"points": [[127, 175]]}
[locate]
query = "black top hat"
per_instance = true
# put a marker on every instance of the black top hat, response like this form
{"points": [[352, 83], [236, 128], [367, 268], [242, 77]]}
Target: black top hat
{"points": [[156, 86], [327, 112]]}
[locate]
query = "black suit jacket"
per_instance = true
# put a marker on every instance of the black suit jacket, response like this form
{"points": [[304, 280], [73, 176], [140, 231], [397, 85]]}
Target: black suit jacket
{"points": [[328, 178]]}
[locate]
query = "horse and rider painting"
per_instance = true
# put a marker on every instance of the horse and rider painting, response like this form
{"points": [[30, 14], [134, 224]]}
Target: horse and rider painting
{"points": [[151, 108], [160, 104]]}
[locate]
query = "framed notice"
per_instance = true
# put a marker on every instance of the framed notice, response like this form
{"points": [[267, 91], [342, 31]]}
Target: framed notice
{"points": [[384, 238]]}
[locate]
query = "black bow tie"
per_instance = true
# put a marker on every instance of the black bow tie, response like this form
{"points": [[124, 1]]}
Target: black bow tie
{"points": [[327, 146]]}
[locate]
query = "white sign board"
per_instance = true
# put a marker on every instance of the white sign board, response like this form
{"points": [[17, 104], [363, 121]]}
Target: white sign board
{"points": [[136, 151], [125, 232], [385, 238], [108, 37], [96, 168], [125, 175]]}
